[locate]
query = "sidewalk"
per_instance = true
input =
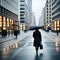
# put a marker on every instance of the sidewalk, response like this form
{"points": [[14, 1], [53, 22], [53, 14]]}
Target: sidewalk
{"points": [[11, 37], [54, 33], [10, 41], [52, 36]]}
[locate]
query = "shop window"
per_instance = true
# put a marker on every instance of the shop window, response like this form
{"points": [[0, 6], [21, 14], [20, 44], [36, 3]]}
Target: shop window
{"points": [[0, 23], [12, 21], [7, 22], [11, 24], [55, 28], [57, 25], [4, 23]]}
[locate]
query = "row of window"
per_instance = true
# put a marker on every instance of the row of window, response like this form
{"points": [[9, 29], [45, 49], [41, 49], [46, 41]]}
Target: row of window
{"points": [[48, 14], [53, 2], [22, 11], [22, 21], [22, 8], [49, 11], [49, 21], [49, 8], [48, 17], [8, 13], [56, 11], [21, 14], [22, 0], [5, 23], [56, 25], [57, 4], [55, 17], [22, 5]]}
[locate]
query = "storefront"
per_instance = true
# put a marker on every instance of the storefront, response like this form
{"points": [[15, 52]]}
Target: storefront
{"points": [[8, 24], [22, 27], [56, 25], [8, 20]]}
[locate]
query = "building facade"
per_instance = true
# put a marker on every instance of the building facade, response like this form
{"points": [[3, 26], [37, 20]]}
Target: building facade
{"points": [[28, 14], [56, 15], [8, 15], [22, 15], [42, 18], [33, 20], [25, 14], [48, 14]]}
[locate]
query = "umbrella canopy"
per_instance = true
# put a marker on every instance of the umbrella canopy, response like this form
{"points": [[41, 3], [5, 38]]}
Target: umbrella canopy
{"points": [[35, 27]]}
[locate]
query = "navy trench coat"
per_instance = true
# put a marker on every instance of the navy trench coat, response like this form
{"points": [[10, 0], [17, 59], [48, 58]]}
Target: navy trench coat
{"points": [[37, 38]]}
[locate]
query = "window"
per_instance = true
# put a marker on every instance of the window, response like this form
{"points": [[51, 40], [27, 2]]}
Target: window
{"points": [[22, 8], [22, 5], [47, 14], [47, 11], [22, 0], [0, 21], [22, 12], [4, 23]]}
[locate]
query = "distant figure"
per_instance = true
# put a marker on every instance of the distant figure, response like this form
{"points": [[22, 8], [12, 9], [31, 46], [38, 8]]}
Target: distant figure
{"points": [[15, 33], [57, 33], [37, 39]]}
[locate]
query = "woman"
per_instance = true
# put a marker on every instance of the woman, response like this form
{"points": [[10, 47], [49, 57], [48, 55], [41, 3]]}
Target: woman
{"points": [[37, 39]]}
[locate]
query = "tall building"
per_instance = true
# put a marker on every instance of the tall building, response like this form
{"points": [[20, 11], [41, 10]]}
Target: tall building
{"points": [[8, 15], [48, 16], [28, 14], [25, 14], [42, 18], [33, 20], [22, 14], [56, 15]]}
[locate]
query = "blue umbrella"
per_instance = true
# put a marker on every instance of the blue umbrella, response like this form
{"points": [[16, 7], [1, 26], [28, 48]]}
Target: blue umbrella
{"points": [[35, 27]]}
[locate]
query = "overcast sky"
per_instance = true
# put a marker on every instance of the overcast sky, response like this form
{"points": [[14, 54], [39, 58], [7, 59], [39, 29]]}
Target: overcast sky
{"points": [[37, 6]]}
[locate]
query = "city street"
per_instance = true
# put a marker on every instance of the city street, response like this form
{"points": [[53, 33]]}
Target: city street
{"points": [[19, 19], [24, 50]]}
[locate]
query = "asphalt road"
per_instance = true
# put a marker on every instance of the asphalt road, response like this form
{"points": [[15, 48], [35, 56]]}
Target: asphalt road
{"points": [[24, 50]]}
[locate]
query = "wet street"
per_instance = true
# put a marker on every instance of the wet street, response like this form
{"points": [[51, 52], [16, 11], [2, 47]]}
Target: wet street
{"points": [[24, 50]]}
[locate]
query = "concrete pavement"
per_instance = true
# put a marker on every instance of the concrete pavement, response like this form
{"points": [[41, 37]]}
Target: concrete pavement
{"points": [[9, 37], [10, 40], [54, 33], [50, 50], [24, 50]]}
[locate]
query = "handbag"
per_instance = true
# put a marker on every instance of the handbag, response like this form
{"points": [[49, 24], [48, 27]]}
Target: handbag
{"points": [[41, 46]]}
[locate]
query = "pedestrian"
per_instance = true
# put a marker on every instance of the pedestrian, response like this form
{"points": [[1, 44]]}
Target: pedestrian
{"points": [[57, 33], [15, 33], [37, 39]]}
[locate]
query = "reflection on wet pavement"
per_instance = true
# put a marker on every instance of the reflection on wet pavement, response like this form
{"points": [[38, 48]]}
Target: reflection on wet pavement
{"points": [[24, 50], [58, 49]]}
